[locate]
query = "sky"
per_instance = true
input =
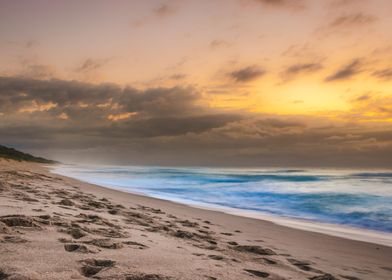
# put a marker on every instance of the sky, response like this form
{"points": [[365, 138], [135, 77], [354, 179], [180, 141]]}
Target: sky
{"points": [[198, 82]]}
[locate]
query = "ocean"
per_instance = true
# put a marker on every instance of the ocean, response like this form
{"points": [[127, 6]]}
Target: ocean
{"points": [[355, 198]]}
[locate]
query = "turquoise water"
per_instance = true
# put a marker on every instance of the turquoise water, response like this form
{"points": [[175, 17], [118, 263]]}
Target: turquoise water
{"points": [[355, 198]]}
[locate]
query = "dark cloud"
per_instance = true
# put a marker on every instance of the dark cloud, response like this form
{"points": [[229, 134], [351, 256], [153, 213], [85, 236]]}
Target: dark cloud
{"points": [[178, 77], [385, 110], [346, 72], [306, 67], [342, 3], [385, 74], [37, 71], [246, 74], [164, 10], [276, 142], [91, 64], [161, 12], [161, 101], [297, 69], [31, 43], [346, 24], [170, 127], [155, 111], [352, 20], [292, 4], [17, 91], [362, 97], [297, 101], [215, 44]]}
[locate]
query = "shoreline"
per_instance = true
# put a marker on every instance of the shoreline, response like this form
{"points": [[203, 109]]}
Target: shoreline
{"points": [[337, 230], [57, 227]]}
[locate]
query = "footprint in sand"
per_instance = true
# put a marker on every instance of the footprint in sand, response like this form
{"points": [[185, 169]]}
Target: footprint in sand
{"points": [[93, 266], [134, 244], [76, 233], [66, 202], [216, 257], [3, 275], [303, 265], [19, 221], [257, 273], [77, 248], [323, 277], [13, 239], [105, 243], [254, 249], [349, 277], [143, 276]]}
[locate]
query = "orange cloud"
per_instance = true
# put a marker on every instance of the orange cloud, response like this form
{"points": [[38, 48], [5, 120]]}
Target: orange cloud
{"points": [[63, 116], [35, 107], [121, 116]]}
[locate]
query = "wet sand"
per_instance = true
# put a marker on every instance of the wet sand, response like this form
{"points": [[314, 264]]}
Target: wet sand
{"points": [[54, 227]]}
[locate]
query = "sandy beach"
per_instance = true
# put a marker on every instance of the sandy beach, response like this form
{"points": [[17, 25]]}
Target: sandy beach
{"points": [[54, 227]]}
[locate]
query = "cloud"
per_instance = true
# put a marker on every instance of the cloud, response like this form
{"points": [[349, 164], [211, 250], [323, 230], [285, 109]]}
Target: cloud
{"points": [[107, 123], [342, 3], [385, 74], [159, 13], [16, 91], [290, 4], [31, 43], [121, 116], [169, 126], [38, 71], [346, 72], [277, 141], [86, 104], [161, 101], [300, 68], [178, 76], [352, 20], [346, 24], [164, 10], [372, 107], [385, 110], [91, 64], [362, 97], [90, 69], [215, 44], [246, 74]]}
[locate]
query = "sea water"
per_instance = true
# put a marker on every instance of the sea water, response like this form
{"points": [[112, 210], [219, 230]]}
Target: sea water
{"points": [[356, 198]]}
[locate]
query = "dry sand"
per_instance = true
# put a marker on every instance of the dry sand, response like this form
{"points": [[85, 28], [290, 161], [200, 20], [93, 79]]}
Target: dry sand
{"points": [[54, 227]]}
